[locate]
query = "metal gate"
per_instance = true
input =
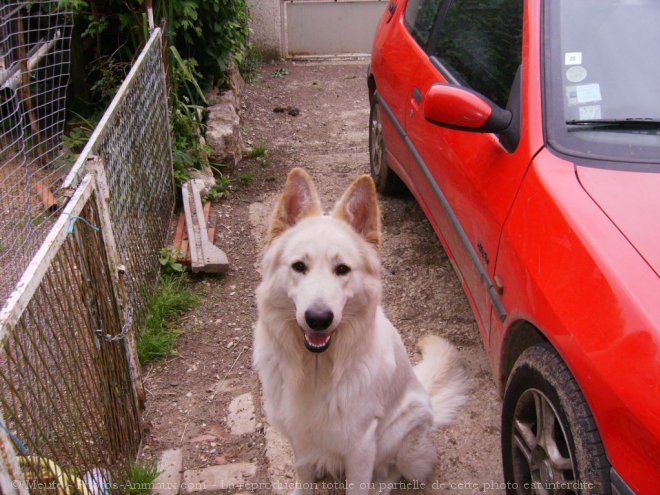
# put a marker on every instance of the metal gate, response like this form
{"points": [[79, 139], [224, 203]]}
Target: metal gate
{"points": [[324, 27]]}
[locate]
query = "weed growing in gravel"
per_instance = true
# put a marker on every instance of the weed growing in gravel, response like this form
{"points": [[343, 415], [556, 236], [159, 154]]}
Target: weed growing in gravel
{"points": [[160, 333], [219, 190], [256, 152], [245, 179], [281, 72], [141, 477]]}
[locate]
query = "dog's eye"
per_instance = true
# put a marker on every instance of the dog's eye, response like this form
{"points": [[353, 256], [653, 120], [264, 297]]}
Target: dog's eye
{"points": [[342, 269], [299, 267]]}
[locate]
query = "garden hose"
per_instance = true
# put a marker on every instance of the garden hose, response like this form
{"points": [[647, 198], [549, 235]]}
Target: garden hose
{"points": [[46, 469]]}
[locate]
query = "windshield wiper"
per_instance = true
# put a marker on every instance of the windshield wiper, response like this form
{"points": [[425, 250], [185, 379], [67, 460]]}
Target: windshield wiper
{"points": [[632, 123]]}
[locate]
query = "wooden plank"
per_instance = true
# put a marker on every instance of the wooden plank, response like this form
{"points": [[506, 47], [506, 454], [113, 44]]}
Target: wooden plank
{"points": [[204, 255], [185, 255], [11, 476], [178, 236]]}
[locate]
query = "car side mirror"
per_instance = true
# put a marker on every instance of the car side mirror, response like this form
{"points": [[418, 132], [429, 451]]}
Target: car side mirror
{"points": [[459, 108]]}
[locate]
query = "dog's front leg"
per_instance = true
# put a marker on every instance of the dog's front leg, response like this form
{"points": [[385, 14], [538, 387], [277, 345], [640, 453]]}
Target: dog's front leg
{"points": [[305, 479], [360, 467]]}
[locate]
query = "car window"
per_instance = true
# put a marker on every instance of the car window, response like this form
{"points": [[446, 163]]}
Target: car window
{"points": [[602, 99], [480, 44], [419, 18]]}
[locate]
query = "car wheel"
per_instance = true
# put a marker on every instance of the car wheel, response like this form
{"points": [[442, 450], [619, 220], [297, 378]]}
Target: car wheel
{"points": [[386, 180], [550, 443]]}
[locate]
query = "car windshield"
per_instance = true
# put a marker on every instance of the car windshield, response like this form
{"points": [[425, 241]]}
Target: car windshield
{"points": [[601, 78]]}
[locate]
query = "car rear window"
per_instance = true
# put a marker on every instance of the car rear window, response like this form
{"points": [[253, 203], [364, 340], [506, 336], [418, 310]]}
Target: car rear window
{"points": [[419, 19]]}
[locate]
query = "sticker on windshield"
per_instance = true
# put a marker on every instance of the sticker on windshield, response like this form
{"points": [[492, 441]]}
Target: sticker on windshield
{"points": [[576, 74], [585, 93], [572, 58], [589, 112]]}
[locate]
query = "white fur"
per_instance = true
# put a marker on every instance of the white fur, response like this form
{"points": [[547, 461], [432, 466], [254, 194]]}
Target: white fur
{"points": [[359, 409]]}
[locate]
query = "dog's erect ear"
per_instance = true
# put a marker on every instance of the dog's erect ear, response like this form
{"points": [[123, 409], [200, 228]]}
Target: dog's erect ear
{"points": [[298, 200], [359, 207]]}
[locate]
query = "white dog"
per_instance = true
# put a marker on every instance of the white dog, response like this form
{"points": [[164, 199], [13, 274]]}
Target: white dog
{"points": [[336, 377]]}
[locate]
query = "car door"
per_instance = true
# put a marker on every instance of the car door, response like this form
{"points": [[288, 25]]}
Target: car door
{"points": [[471, 178], [400, 38]]}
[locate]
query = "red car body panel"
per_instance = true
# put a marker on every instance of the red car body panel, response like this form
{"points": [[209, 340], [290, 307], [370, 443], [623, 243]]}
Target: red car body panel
{"points": [[632, 201], [577, 279], [572, 246]]}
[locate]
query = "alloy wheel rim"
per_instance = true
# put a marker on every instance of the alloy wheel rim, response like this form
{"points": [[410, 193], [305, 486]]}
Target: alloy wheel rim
{"points": [[542, 460], [376, 138]]}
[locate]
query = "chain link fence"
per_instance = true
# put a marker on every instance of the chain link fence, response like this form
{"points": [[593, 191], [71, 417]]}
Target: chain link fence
{"points": [[133, 141], [70, 386], [34, 72]]}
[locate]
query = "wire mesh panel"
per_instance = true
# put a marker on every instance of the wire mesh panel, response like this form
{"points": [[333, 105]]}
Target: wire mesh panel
{"points": [[133, 141], [65, 385], [69, 384], [34, 71]]}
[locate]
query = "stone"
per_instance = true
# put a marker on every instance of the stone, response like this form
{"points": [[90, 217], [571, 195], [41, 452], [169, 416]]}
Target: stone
{"points": [[236, 81], [219, 477], [241, 415], [223, 134], [279, 454], [205, 174], [228, 96]]}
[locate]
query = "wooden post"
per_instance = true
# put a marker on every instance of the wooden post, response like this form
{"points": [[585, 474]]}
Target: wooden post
{"points": [[11, 476], [95, 166], [26, 98]]}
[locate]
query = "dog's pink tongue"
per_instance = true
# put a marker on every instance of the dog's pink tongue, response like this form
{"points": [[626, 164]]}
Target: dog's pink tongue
{"points": [[317, 339]]}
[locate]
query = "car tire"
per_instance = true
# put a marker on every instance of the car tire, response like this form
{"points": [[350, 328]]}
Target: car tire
{"points": [[549, 436], [387, 182]]}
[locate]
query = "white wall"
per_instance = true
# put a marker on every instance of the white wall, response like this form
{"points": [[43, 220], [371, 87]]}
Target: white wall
{"points": [[266, 25]]}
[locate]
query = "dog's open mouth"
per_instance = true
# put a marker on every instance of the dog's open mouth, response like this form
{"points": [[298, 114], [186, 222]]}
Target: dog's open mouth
{"points": [[317, 341]]}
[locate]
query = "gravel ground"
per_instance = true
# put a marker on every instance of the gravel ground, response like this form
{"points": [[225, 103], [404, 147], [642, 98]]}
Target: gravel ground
{"points": [[324, 129]]}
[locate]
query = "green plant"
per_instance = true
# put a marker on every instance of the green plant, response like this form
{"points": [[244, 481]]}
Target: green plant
{"points": [[263, 161], [250, 64], [142, 475], [256, 152], [281, 72], [81, 129], [219, 190], [204, 38], [168, 260], [245, 179], [213, 32], [160, 333]]}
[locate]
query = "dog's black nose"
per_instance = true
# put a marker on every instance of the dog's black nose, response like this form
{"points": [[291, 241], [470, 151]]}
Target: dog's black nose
{"points": [[319, 319]]}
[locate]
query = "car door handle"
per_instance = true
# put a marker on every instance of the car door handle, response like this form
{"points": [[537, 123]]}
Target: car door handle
{"points": [[417, 95]]}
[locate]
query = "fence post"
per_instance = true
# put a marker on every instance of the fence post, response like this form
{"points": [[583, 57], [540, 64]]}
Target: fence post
{"points": [[11, 476], [95, 165]]}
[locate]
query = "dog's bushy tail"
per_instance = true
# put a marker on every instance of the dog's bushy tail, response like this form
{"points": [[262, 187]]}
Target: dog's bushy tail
{"points": [[442, 376]]}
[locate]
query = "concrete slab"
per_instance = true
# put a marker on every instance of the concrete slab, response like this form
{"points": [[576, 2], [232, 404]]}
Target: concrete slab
{"points": [[170, 467], [213, 478], [280, 461]]}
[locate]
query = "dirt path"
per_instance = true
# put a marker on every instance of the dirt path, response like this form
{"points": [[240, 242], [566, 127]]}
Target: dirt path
{"points": [[206, 402]]}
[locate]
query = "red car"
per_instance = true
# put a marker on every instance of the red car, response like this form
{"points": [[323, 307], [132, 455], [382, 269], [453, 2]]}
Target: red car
{"points": [[529, 132]]}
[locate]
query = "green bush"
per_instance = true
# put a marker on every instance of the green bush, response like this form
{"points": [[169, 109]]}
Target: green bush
{"points": [[204, 38]]}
